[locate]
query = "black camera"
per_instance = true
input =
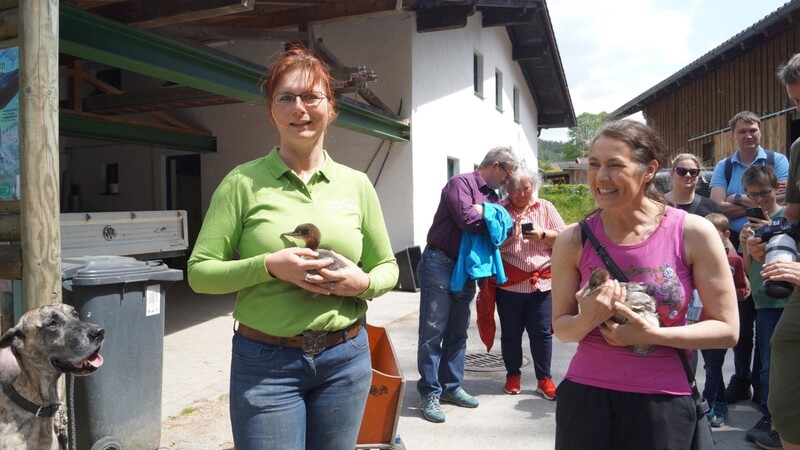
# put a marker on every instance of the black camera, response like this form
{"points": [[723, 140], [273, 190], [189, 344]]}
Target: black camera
{"points": [[781, 238], [777, 227]]}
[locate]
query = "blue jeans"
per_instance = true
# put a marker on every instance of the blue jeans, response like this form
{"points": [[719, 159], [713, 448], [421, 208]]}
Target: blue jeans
{"points": [[714, 391], [283, 398], [743, 351], [443, 322], [526, 312], [766, 320]]}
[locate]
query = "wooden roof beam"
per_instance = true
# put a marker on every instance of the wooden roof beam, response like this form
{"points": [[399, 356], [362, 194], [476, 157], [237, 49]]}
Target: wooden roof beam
{"points": [[346, 9], [221, 34], [150, 14]]}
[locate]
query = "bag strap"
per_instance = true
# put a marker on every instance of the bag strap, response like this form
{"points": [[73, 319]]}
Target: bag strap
{"points": [[695, 203], [615, 270], [602, 253], [729, 165]]}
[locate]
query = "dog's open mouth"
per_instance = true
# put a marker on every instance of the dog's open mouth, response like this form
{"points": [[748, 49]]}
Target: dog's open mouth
{"points": [[84, 367]]}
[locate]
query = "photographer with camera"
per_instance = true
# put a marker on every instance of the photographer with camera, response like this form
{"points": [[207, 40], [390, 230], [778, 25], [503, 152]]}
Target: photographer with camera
{"points": [[726, 189], [784, 403], [770, 296]]}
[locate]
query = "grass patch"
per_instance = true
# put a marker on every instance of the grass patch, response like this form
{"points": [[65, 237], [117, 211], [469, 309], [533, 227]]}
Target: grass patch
{"points": [[573, 201], [188, 410]]}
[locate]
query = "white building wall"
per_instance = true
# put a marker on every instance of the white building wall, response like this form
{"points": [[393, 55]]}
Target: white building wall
{"points": [[427, 77], [449, 120]]}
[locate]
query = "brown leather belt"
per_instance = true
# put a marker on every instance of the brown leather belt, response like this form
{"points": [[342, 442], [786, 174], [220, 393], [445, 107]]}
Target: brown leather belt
{"points": [[311, 342]]}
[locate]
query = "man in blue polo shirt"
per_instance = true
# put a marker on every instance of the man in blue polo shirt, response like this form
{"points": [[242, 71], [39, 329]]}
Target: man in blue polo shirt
{"points": [[727, 191]]}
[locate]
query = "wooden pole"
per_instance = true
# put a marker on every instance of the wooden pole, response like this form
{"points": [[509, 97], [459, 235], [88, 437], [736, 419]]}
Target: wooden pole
{"points": [[39, 163]]}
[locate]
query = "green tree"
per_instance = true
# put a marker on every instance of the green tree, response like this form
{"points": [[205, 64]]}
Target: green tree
{"points": [[581, 135], [550, 150]]}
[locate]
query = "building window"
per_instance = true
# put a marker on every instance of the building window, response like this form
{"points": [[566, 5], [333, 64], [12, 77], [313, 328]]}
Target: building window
{"points": [[477, 74], [452, 167], [708, 153], [516, 104], [498, 90]]}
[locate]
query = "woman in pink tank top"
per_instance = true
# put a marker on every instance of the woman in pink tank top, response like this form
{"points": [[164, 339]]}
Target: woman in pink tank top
{"points": [[614, 397]]}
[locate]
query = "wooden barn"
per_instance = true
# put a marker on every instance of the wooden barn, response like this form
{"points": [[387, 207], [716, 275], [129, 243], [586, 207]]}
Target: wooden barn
{"points": [[691, 108]]}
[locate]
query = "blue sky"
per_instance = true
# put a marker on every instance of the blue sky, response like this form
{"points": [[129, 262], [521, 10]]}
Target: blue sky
{"points": [[614, 50]]}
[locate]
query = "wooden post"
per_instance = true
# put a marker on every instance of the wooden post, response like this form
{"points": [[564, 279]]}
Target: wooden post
{"points": [[39, 162]]}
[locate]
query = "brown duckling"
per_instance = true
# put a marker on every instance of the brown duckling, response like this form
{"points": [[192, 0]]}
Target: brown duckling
{"points": [[638, 299], [311, 234]]}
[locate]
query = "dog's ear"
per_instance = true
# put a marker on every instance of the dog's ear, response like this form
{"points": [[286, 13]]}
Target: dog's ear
{"points": [[9, 366]]}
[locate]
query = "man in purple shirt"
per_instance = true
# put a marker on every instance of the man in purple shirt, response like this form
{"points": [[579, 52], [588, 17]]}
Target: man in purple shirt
{"points": [[444, 314]]}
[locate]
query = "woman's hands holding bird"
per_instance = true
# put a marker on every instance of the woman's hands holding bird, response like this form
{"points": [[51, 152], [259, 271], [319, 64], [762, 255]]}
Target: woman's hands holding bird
{"points": [[300, 267]]}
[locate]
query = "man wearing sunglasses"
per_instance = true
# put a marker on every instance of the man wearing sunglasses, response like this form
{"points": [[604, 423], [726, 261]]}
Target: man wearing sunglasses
{"points": [[731, 196]]}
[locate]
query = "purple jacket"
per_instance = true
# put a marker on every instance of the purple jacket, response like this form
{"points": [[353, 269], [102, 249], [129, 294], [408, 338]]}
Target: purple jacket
{"points": [[456, 214]]}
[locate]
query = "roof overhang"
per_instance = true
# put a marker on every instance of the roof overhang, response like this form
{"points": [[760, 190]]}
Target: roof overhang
{"points": [[533, 43], [779, 21]]}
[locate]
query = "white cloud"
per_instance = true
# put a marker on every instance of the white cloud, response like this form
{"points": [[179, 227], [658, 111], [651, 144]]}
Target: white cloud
{"points": [[614, 50]]}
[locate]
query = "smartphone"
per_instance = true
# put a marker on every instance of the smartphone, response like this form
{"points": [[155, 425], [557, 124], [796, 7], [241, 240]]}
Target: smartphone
{"points": [[527, 227], [756, 212]]}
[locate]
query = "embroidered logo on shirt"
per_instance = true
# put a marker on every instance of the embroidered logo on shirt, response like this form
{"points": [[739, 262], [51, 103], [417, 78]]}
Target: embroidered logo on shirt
{"points": [[338, 205]]}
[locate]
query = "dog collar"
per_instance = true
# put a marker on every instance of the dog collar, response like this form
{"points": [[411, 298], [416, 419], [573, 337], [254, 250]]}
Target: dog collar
{"points": [[27, 405]]}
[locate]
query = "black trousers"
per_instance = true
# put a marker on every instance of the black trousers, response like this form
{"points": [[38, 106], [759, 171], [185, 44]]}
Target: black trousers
{"points": [[743, 351], [601, 419]]}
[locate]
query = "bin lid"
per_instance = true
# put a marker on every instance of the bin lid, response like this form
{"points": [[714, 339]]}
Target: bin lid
{"points": [[98, 270]]}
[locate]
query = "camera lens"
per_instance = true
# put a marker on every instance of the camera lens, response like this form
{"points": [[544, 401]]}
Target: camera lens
{"points": [[781, 247]]}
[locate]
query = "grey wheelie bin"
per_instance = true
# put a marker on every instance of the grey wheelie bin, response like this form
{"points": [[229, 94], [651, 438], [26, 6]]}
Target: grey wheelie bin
{"points": [[119, 406]]}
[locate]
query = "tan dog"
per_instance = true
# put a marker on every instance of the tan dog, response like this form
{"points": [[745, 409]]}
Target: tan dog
{"points": [[47, 341], [637, 299]]}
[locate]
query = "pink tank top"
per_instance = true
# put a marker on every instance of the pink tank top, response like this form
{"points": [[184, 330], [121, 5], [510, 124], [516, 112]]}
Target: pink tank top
{"points": [[660, 262]]}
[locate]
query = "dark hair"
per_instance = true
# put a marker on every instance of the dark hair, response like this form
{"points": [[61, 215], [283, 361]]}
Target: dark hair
{"points": [[761, 174], [789, 73], [646, 146], [299, 57], [744, 116]]}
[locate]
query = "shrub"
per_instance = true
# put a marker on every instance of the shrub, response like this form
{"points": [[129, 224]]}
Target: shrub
{"points": [[573, 201]]}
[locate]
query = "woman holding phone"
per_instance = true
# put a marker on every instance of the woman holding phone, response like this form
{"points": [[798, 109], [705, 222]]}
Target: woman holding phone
{"points": [[524, 302]]}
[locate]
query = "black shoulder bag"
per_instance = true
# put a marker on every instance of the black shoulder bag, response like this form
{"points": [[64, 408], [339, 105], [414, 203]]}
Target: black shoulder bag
{"points": [[702, 439]]}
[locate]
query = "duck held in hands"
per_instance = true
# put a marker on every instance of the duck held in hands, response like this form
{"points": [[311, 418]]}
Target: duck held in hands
{"points": [[312, 236]]}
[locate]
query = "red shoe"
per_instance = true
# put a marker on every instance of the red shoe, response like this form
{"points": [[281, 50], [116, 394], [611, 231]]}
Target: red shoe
{"points": [[512, 384], [546, 388]]}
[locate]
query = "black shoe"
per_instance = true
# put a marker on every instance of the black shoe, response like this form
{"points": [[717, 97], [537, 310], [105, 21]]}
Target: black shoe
{"points": [[736, 391], [763, 435], [757, 394], [760, 429]]}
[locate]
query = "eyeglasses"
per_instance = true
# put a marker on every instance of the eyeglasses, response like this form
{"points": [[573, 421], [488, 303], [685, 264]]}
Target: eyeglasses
{"points": [[763, 194], [682, 171], [508, 175], [308, 99]]}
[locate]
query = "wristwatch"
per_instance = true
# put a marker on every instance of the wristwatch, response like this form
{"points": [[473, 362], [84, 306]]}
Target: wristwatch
{"points": [[737, 198]]}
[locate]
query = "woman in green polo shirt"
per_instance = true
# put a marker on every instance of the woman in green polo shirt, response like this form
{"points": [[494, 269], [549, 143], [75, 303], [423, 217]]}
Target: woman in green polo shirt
{"points": [[300, 367]]}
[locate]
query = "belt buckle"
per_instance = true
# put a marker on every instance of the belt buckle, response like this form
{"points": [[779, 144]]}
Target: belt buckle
{"points": [[313, 342]]}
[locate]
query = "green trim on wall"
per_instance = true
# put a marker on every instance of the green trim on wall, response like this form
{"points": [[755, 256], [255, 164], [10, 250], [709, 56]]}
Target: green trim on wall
{"points": [[98, 39], [70, 125]]}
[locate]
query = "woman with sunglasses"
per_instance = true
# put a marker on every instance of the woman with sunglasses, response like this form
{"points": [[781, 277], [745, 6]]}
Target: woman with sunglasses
{"points": [[686, 171], [300, 362]]}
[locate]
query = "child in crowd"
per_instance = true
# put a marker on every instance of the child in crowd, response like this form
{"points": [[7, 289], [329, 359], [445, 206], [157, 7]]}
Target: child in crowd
{"points": [[714, 391], [761, 186]]}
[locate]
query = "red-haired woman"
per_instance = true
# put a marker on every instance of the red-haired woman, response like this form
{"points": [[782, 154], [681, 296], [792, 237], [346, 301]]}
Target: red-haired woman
{"points": [[300, 365]]}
